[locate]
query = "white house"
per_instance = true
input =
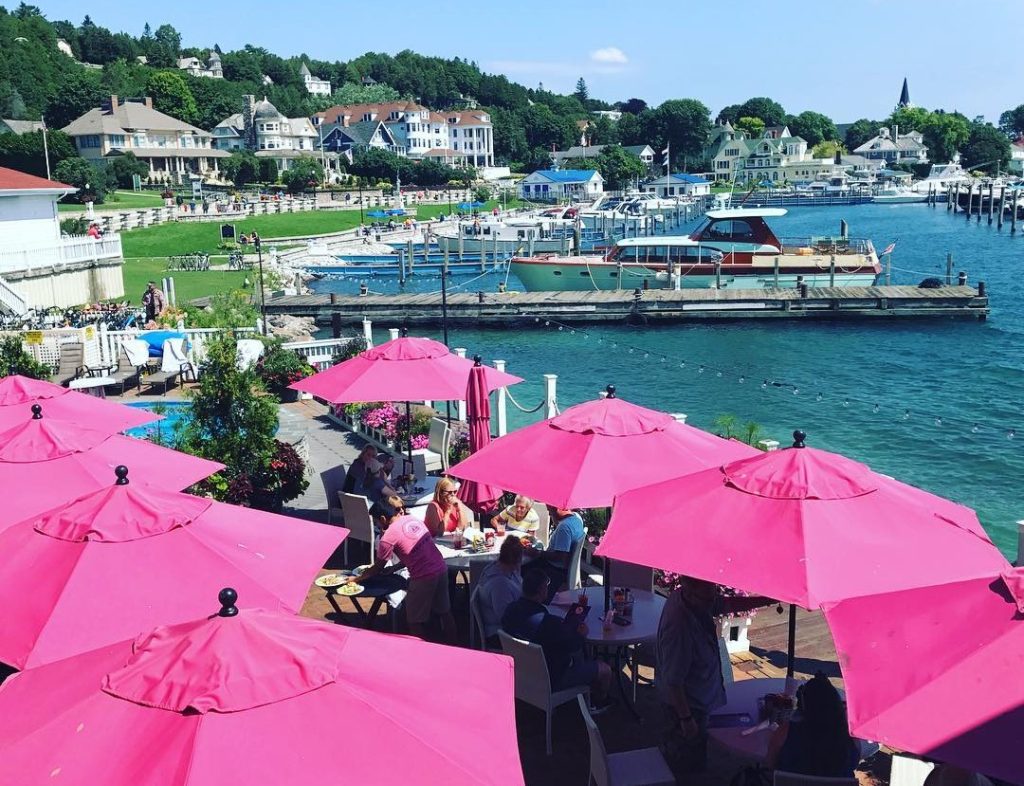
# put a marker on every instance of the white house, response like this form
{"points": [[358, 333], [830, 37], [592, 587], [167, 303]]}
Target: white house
{"points": [[170, 147], [644, 152], [314, 85], [471, 135], [39, 266], [212, 69], [1017, 156], [679, 184], [893, 147], [554, 184]]}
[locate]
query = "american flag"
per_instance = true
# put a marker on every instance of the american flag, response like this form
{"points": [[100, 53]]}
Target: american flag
{"points": [[888, 249]]}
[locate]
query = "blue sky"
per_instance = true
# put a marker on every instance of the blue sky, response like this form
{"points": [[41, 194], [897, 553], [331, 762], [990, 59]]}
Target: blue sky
{"points": [[847, 59]]}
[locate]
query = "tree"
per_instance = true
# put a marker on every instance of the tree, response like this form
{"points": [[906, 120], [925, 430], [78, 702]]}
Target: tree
{"points": [[987, 149], [909, 118], [827, 149], [121, 169], [617, 166], [602, 131], [15, 360], [90, 182], [945, 134], [771, 112], [753, 127], [267, 170], [171, 95], [813, 127], [581, 91], [1012, 122], [353, 93], [241, 168], [166, 47], [73, 96], [684, 123], [12, 105], [633, 105], [26, 152], [304, 172], [860, 132], [629, 130]]}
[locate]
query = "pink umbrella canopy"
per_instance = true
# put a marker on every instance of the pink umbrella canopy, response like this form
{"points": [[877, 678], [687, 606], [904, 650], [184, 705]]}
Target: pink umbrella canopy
{"points": [[262, 697], [18, 394], [937, 670], [128, 557], [404, 369], [478, 496], [801, 525], [44, 462], [593, 451]]}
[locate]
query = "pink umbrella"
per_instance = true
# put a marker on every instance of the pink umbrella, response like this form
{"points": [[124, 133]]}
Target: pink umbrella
{"points": [[127, 557], [937, 670], [262, 697], [593, 451], [405, 369], [44, 462], [478, 496], [18, 394]]}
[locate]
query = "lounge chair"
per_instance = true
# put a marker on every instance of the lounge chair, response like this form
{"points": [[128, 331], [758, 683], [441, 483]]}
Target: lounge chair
{"points": [[71, 364], [249, 350], [173, 365], [131, 360]]}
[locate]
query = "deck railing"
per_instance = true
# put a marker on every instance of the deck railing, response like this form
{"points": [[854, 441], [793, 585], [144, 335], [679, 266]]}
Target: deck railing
{"points": [[69, 249]]}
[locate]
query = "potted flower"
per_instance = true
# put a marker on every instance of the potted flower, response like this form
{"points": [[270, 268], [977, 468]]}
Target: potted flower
{"points": [[279, 368]]}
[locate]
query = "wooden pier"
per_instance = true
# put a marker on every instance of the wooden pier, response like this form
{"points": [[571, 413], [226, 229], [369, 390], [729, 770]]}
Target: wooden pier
{"points": [[522, 309]]}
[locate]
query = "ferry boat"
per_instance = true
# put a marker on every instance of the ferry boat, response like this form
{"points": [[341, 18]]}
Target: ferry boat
{"points": [[732, 249]]}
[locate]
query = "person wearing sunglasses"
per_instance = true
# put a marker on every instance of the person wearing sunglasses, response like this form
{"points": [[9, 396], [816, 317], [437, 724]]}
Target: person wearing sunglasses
{"points": [[446, 513]]}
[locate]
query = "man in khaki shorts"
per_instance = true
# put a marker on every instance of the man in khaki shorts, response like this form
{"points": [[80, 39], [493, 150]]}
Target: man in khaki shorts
{"points": [[408, 539]]}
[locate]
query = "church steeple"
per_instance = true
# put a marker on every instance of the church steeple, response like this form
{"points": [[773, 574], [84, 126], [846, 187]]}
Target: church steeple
{"points": [[904, 95]]}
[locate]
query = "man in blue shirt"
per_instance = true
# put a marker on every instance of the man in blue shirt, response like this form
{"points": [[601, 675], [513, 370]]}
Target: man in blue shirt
{"points": [[555, 559], [528, 618]]}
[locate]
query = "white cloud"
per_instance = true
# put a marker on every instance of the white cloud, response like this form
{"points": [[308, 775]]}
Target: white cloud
{"points": [[609, 55]]}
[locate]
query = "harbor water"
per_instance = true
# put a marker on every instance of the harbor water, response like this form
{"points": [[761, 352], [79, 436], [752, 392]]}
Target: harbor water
{"points": [[937, 403]]}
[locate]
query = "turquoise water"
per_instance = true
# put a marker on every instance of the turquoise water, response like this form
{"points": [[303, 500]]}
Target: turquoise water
{"points": [[952, 376], [175, 413]]}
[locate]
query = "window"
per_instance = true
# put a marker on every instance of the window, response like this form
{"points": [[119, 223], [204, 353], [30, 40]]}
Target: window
{"points": [[89, 140], [117, 140]]}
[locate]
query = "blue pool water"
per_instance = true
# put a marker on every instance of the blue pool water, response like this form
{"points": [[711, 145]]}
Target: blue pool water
{"points": [[952, 376], [175, 413]]}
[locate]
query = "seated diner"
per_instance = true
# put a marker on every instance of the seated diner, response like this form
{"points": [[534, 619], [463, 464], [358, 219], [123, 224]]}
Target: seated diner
{"points": [[520, 515], [445, 513]]}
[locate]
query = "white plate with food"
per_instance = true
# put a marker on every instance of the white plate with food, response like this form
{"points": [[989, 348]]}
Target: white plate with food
{"points": [[350, 589], [331, 580]]}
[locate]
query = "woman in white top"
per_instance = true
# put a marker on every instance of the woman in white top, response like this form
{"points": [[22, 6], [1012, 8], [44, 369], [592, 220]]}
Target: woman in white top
{"points": [[520, 515]]}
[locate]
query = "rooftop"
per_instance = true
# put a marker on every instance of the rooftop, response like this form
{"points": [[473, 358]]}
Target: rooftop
{"points": [[14, 180]]}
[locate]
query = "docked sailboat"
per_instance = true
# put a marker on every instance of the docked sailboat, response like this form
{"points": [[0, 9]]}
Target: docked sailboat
{"points": [[733, 248]]}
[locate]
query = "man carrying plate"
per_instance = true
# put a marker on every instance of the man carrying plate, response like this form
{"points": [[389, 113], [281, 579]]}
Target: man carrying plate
{"points": [[408, 539]]}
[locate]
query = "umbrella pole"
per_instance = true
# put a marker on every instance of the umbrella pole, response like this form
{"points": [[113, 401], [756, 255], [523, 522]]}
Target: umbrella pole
{"points": [[606, 569], [792, 642], [408, 436]]}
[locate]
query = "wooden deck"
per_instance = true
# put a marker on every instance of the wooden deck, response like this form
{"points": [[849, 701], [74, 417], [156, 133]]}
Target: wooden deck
{"points": [[520, 309]]}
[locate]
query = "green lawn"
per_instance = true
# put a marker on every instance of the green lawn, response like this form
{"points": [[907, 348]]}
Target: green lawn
{"points": [[121, 200], [187, 285]]}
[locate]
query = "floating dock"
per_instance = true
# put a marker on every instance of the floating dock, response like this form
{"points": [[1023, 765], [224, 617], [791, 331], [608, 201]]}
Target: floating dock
{"points": [[522, 309]]}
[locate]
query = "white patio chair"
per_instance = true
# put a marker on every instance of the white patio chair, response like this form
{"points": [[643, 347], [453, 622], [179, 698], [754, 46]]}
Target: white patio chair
{"points": [[644, 767], [793, 779], [573, 577], [908, 770], [355, 510], [435, 455], [333, 480], [533, 683], [544, 523], [248, 351], [476, 623]]}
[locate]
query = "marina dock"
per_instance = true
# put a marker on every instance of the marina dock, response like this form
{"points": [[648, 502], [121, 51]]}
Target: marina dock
{"points": [[521, 309]]}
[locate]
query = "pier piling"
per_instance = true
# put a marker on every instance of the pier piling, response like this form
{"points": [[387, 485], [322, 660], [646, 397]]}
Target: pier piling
{"points": [[949, 268], [832, 271], [1013, 212], [1002, 206], [991, 200], [961, 279]]}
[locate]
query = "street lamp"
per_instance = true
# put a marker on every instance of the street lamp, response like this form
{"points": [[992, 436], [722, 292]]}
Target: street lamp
{"points": [[360, 200], [263, 292]]}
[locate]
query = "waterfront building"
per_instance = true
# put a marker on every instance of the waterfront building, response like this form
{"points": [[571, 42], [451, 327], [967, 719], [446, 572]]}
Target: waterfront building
{"points": [[169, 147], [470, 133], [555, 184], [262, 128], [728, 151], [314, 85], [345, 140], [678, 184], [8, 126], [644, 152], [1017, 156], [193, 66], [41, 267], [892, 147], [776, 156], [611, 114]]}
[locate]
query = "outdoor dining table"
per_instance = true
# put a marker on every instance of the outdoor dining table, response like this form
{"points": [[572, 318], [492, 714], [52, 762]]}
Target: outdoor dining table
{"points": [[614, 642], [423, 492], [736, 726], [460, 558], [378, 588]]}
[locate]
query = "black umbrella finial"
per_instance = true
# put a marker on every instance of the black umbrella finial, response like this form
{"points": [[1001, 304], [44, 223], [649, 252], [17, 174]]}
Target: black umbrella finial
{"points": [[122, 475], [477, 360], [227, 597], [610, 390], [404, 333], [37, 412], [798, 439]]}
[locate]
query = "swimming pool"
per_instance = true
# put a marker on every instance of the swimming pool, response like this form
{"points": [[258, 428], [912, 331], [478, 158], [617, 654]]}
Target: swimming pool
{"points": [[176, 414]]}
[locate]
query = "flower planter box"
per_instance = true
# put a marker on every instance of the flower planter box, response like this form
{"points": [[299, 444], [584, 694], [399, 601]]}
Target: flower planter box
{"points": [[734, 631]]}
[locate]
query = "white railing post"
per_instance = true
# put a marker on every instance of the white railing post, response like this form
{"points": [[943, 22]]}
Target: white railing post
{"points": [[502, 405], [393, 333], [368, 332], [679, 417], [104, 347], [461, 405], [768, 444], [1020, 544], [550, 395]]}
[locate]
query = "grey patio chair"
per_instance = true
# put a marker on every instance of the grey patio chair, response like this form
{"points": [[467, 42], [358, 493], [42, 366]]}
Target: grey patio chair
{"points": [[71, 363], [644, 767]]}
